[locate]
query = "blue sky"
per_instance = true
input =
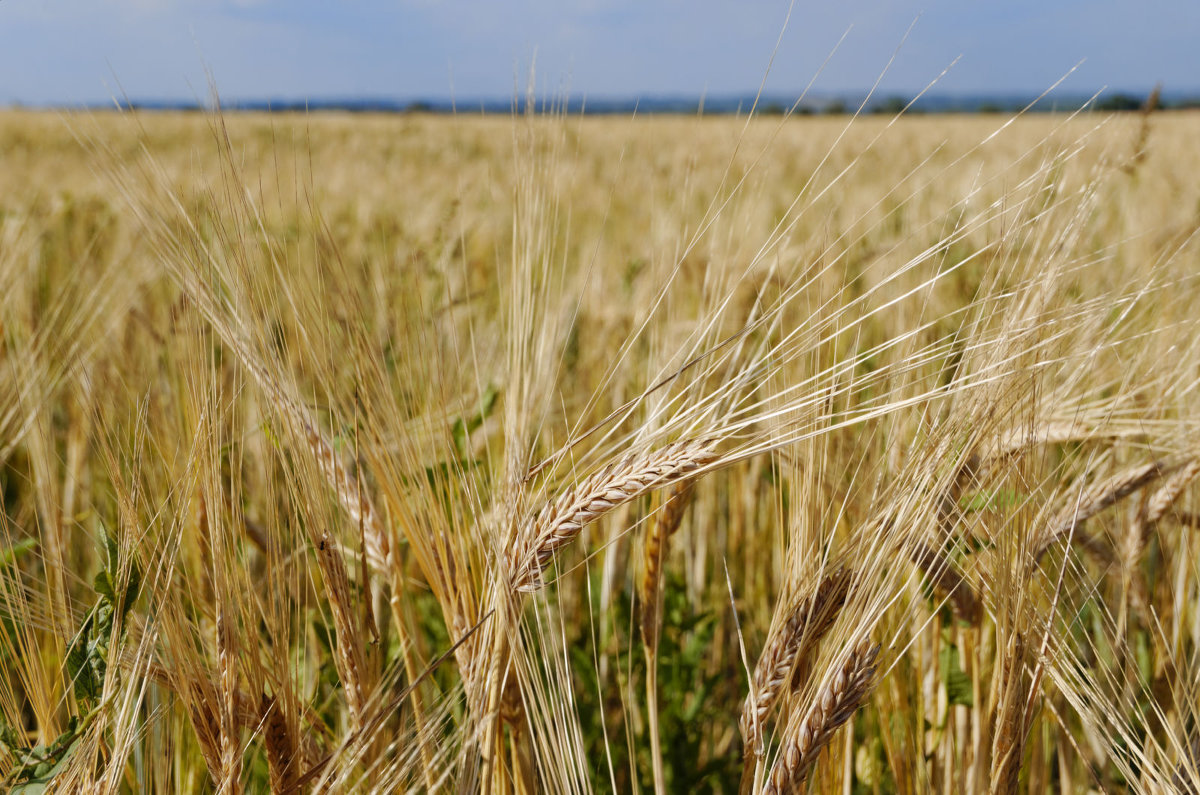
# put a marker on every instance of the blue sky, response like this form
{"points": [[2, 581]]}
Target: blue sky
{"points": [[74, 51]]}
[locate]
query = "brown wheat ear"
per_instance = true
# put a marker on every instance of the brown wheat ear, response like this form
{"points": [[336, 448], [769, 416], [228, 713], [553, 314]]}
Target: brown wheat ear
{"points": [[283, 762], [1011, 722], [808, 622], [834, 705], [559, 522], [658, 538], [946, 579], [1161, 501]]}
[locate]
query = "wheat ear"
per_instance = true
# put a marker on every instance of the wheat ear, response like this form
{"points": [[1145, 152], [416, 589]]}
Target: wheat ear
{"points": [[834, 705], [808, 622], [1161, 501], [1010, 721], [1018, 440], [283, 758], [559, 522], [946, 579], [348, 652], [229, 779], [345, 486], [1186, 779], [1100, 496], [658, 538]]}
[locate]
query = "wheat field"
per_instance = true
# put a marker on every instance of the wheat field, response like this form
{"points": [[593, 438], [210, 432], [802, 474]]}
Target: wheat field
{"points": [[545, 453]]}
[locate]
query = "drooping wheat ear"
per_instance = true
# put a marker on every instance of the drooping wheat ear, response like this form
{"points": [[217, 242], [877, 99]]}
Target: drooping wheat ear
{"points": [[346, 487], [833, 706], [1138, 153], [946, 579], [1100, 496], [1161, 501], [200, 699], [199, 696], [808, 622], [658, 539], [1011, 724], [1017, 440], [354, 500], [559, 522], [283, 758], [348, 652]]}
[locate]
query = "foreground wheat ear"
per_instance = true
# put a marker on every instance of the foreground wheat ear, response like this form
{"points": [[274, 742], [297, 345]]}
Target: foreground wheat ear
{"points": [[833, 706], [779, 664], [559, 522]]}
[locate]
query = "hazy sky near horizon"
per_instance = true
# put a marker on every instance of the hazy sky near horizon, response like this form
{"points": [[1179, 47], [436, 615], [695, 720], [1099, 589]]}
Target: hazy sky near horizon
{"points": [[78, 51]]}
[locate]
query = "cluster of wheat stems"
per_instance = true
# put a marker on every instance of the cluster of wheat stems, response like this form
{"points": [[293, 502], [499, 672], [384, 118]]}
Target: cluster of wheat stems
{"points": [[854, 479]]}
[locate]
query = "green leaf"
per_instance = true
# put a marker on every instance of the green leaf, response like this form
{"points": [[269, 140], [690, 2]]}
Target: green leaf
{"points": [[462, 428], [80, 663], [11, 553], [41, 764], [958, 684], [103, 585], [133, 586], [460, 434], [991, 500], [44, 773], [112, 550]]}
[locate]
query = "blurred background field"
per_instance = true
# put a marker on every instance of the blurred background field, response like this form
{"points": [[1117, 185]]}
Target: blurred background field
{"points": [[174, 285]]}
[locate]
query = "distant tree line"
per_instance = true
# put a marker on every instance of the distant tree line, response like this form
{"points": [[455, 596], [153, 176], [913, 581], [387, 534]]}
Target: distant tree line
{"points": [[889, 105]]}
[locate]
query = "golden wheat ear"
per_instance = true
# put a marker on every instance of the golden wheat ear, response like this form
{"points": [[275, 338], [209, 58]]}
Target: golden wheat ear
{"points": [[833, 706], [559, 522], [1104, 494], [808, 622]]}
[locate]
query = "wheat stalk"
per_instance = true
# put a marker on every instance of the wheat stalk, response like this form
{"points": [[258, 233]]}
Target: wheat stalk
{"points": [[559, 522], [654, 552], [833, 706]]}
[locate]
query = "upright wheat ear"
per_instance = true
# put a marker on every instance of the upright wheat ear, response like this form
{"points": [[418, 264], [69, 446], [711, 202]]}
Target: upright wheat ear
{"points": [[283, 758], [1011, 719], [808, 622], [559, 522], [834, 705], [658, 537], [348, 653]]}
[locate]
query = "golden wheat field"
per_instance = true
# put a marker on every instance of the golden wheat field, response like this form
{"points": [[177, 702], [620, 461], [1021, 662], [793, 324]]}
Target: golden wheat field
{"points": [[548, 453]]}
